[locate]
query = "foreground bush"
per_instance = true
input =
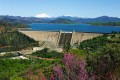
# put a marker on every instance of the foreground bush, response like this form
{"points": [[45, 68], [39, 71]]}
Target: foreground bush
{"points": [[103, 63], [101, 67], [45, 53], [74, 69]]}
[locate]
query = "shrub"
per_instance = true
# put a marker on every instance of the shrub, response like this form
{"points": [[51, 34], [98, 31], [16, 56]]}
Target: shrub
{"points": [[45, 53], [74, 69]]}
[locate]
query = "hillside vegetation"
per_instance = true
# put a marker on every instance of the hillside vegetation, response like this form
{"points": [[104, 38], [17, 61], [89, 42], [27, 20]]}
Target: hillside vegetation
{"points": [[5, 26], [94, 59], [63, 21], [12, 40], [105, 23]]}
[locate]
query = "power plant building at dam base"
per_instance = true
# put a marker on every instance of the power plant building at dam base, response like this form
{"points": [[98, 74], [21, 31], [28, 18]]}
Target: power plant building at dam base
{"points": [[54, 39]]}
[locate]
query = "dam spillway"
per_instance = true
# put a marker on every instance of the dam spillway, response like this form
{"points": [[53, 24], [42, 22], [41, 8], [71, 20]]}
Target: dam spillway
{"points": [[59, 38], [65, 38]]}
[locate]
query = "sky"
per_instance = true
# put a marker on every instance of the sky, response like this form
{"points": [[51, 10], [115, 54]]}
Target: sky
{"points": [[54, 8]]}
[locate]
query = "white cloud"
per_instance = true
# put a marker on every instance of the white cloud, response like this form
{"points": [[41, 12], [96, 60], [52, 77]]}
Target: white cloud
{"points": [[42, 15]]}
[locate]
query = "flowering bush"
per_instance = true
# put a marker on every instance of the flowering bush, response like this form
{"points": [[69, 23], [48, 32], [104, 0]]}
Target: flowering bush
{"points": [[74, 69]]}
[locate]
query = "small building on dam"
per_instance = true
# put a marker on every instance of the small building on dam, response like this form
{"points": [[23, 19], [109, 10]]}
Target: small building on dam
{"points": [[55, 39]]}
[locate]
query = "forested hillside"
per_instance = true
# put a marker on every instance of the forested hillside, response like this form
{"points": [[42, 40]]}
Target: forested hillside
{"points": [[63, 21], [94, 59], [96, 43], [105, 23], [11, 39], [5, 26]]}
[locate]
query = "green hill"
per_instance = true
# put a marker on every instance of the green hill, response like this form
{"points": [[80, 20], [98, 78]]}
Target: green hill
{"points": [[12, 40], [105, 23], [63, 21], [5, 26]]}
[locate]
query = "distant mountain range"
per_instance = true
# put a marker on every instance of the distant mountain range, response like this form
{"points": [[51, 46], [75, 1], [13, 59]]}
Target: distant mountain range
{"points": [[61, 19]]}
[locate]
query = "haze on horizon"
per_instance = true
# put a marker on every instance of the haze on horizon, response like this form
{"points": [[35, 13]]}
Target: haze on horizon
{"points": [[54, 8]]}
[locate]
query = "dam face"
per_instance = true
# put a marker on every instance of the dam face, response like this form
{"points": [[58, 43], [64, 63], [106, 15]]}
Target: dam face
{"points": [[65, 38], [56, 39]]}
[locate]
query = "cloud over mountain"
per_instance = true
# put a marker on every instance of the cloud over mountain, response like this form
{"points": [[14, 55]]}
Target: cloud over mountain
{"points": [[42, 15]]}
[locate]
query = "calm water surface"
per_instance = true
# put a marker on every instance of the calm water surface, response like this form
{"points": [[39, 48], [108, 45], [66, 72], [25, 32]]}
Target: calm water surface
{"points": [[74, 27]]}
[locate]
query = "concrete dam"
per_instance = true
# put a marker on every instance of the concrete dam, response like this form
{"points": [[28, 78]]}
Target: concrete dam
{"points": [[54, 39]]}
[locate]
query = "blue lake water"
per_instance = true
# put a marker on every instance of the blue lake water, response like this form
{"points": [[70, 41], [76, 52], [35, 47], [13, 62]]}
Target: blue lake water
{"points": [[74, 27]]}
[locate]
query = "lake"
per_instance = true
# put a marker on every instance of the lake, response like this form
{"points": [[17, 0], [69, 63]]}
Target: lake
{"points": [[74, 27]]}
